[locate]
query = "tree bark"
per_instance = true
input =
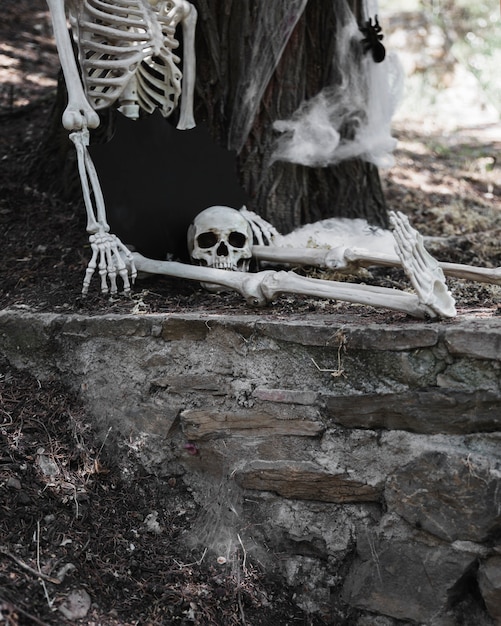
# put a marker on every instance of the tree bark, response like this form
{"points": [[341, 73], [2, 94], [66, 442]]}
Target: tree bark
{"points": [[285, 194]]}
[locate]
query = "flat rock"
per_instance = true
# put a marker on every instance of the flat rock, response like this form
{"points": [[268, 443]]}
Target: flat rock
{"points": [[209, 424], [304, 481], [428, 411], [489, 581], [476, 341], [405, 580], [452, 497]]}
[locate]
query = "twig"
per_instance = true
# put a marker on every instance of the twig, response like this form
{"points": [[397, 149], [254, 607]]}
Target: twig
{"points": [[42, 580], [334, 373], [18, 609], [241, 608], [245, 554], [104, 441], [375, 555], [199, 562], [27, 568]]}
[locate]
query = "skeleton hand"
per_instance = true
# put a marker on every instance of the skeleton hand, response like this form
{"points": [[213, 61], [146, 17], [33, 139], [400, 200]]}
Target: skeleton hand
{"points": [[423, 270], [264, 232], [107, 251]]}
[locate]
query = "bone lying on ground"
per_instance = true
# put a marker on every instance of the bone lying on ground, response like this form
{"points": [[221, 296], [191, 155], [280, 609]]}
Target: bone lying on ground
{"points": [[340, 256], [210, 249], [262, 287]]}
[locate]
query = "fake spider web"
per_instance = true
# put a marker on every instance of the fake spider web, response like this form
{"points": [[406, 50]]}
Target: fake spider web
{"points": [[351, 118]]}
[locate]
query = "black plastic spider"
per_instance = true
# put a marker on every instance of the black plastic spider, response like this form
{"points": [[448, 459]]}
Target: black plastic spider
{"points": [[372, 39]]}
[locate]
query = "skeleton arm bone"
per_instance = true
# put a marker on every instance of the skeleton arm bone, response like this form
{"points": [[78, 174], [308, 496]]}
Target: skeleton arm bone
{"points": [[288, 282], [470, 272], [107, 249], [455, 270], [247, 285], [262, 287], [334, 258], [189, 21], [341, 258], [78, 113]]}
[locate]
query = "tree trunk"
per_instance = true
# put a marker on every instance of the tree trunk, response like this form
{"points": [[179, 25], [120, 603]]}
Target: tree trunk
{"points": [[285, 194]]}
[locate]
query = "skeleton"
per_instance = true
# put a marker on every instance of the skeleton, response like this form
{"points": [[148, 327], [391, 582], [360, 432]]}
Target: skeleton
{"points": [[425, 273], [126, 55], [431, 299], [125, 51], [402, 246], [330, 251]]}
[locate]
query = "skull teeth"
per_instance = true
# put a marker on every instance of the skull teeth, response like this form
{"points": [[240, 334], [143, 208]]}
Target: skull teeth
{"points": [[224, 264]]}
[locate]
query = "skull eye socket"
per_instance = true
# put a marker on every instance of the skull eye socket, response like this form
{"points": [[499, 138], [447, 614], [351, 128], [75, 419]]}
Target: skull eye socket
{"points": [[207, 240], [237, 240]]}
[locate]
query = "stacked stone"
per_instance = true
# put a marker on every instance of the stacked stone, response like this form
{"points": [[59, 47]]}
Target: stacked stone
{"points": [[366, 458]]}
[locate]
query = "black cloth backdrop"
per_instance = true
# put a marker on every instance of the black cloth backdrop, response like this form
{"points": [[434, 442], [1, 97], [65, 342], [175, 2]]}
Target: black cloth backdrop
{"points": [[156, 179]]}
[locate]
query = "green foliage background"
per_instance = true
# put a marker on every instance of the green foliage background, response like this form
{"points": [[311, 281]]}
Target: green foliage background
{"points": [[473, 32]]}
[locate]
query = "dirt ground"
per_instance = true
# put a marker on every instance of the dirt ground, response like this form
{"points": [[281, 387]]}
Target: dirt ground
{"points": [[449, 185], [70, 522]]}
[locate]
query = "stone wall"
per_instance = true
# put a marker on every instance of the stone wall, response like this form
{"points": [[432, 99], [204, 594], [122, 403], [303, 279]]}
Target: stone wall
{"points": [[360, 461]]}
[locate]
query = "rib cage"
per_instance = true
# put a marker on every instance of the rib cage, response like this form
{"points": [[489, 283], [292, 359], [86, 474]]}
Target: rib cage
{"points": [[117, 39]]}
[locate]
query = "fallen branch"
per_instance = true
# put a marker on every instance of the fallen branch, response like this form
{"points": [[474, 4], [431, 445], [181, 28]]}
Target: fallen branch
{"points": [[17, 609], [27, 568]]}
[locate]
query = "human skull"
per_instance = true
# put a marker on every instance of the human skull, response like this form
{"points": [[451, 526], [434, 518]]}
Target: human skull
{"points": [[221, 237]]}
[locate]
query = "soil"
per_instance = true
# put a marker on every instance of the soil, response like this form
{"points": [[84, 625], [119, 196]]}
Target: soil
{"points": [[70, 521], [449, 185]]}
